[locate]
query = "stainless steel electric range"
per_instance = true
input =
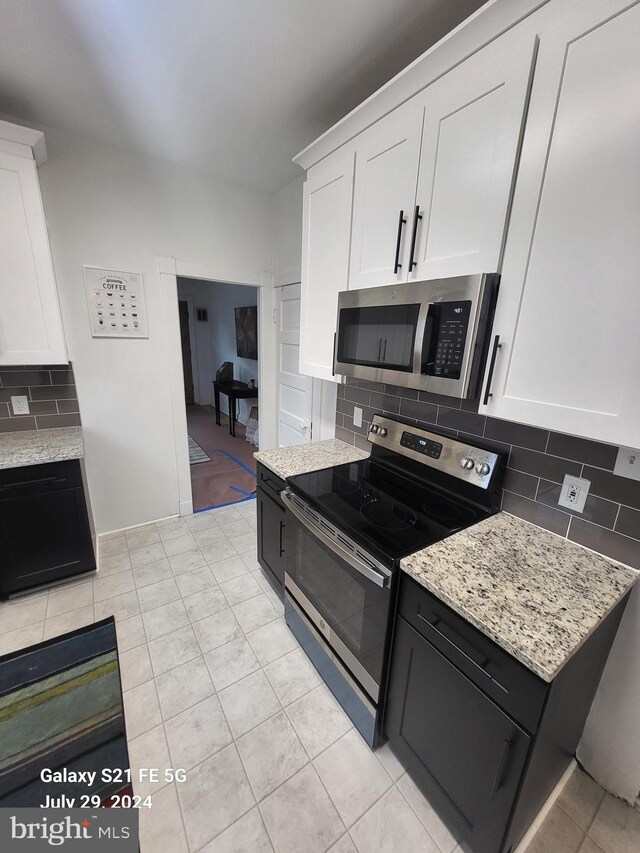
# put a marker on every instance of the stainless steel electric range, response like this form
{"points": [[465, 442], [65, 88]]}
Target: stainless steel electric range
{"points": [[348, 527]]}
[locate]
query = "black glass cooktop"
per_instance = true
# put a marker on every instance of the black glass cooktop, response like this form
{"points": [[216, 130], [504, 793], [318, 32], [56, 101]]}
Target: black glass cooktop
{"points": [[385, 512]]}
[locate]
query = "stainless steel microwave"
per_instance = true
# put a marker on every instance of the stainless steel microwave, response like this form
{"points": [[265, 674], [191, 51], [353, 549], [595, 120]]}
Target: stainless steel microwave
{"points": [[429, 335]]}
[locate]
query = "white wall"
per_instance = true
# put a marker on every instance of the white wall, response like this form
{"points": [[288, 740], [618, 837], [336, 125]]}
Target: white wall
{"points": [[110, 208], [216, 339], [286, 215]]}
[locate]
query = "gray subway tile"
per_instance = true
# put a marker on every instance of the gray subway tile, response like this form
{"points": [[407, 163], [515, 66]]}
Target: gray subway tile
{"points": [[29, 377], [54, 392], [362, 442], [597, 510], [43, 407], [628, 522], [439, 400], [385, 403], [17, 424], [614, 545], [583, 450], [425, 412], [540, 465], [619, 489], [345, 407], [4, 410], [468, 422], [67, 407], [341, 433], [57, 421], [357, 395], [62, 377], [518, 434], [17, 391], [399, 391], [536, 513], [519, 483]]}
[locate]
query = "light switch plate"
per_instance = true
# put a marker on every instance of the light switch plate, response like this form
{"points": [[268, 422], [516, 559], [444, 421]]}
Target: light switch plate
{"points": [[20, 405], [573, 494], [628, 463], [357, 416]]}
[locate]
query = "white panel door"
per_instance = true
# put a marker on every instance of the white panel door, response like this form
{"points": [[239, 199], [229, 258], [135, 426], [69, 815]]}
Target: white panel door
{"points": [[383, 197], [472, 124], [295, 391], [30, 323], [568, 311], [326, 235]]}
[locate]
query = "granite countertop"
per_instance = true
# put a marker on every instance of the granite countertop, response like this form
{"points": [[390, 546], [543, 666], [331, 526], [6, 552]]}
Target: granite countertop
{"points": [[535, 594], [302, 458], [33, 447]]}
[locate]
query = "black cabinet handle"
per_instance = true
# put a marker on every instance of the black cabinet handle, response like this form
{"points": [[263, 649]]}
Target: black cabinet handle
{"points": [[454, 639], [396, 264], [38, 482], [281, 532], [494, 352], [414, 233], [503, 766]]}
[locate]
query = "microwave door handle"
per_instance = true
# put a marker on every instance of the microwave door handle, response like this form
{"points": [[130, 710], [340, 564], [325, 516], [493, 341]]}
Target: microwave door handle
{"points": [[418, 343], [369, 572]]}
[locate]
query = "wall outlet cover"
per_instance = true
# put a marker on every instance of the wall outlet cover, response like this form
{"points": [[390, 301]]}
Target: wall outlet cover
{"points": [[20, 405], [628, 463], [357, 416], [573, 494]]}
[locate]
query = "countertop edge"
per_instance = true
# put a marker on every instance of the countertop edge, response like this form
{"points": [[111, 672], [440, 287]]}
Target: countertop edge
{"points": [[24, 457]]}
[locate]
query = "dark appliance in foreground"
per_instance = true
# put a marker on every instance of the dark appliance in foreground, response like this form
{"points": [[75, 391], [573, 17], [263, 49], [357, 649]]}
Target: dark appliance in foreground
{"points": [[44, 526], [270, 518], [348, 527]]}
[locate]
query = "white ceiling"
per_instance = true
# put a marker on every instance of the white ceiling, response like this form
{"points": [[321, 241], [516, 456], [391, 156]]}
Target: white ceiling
{"points": [[232, 87]]}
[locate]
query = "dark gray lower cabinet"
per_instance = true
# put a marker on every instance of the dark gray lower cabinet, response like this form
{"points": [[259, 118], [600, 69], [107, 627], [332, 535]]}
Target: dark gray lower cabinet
{"points": [[483, 736], [271, 516], [44, 526]]}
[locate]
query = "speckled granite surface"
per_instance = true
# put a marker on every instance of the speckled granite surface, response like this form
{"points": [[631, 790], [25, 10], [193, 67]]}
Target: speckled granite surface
{"points": [[289, 461], [32, 447], [535, 594]]}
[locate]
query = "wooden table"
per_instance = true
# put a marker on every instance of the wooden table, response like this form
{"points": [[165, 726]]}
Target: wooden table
{"points": [[234, 390]]}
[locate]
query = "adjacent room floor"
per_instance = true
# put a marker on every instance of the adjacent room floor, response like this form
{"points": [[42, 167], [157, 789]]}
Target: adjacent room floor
{"points": [[214, 682], [230, 475]]}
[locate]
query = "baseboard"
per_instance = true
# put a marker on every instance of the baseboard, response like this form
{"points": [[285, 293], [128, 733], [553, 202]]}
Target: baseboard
{"points": [[546, 808]]}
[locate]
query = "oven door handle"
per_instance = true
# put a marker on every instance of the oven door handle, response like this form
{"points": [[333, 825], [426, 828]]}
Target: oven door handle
{"points": [[368, 571]]}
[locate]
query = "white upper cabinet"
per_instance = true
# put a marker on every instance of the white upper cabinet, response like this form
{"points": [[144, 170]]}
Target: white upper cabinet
{"points": [[387, 157], [569, 303], [326, 230], [30, 323], [472, 127]]}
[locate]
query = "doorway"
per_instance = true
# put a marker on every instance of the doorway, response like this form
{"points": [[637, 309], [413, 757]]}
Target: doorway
{"points": [[219, 344]]}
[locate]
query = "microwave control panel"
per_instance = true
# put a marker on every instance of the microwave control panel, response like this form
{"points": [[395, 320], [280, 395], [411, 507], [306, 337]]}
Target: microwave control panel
{"points": [[447, 327]]}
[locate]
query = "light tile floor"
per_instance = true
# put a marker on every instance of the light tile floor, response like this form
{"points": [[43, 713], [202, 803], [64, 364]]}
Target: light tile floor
{"points": [[215, 683]]}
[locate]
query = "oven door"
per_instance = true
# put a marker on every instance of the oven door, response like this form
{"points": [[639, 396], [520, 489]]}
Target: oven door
{"points": [[345, 594]]}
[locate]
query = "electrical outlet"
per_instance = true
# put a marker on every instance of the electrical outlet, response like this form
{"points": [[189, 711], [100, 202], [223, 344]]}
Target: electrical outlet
{"points": [[357, 416], [628, 463], [573, 494], [20, 405]]}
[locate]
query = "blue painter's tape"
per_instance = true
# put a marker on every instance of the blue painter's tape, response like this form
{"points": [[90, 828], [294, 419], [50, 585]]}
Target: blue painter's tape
{"points": [[229, 503], [237, 461]]}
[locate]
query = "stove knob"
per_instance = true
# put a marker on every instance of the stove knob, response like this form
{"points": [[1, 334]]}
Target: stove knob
{"points": [[374, 428], [483, 468], [382, 432], [467, 463]]}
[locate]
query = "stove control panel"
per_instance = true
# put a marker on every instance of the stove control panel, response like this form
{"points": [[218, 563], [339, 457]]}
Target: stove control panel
{"points": [[472, 464], [421, 445]]}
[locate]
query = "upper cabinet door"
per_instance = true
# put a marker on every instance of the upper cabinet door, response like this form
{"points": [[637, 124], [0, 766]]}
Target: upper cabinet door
{"points": [[30, 323], [569, 304], [326, 230], [472, 125], [384, 195]]}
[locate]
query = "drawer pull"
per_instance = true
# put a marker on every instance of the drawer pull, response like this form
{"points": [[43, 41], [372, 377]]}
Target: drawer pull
{"points": [[503, 766], [38, 482]]}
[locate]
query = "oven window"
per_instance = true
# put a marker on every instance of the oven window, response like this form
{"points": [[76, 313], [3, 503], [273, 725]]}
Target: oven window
{"points": [[378, 336], [353, 606]]}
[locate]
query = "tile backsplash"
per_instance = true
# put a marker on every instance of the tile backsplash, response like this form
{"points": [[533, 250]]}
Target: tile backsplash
{"points": [[51, 392], [538, 460]]}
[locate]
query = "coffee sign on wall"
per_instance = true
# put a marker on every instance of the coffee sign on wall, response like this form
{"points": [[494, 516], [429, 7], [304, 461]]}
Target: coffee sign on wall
{"points": [[116, 303]]}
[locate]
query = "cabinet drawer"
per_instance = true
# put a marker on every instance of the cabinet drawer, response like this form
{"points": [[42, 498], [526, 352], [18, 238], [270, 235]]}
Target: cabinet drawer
{"points": [[510, 684], [270, 482], [34, 479]]}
